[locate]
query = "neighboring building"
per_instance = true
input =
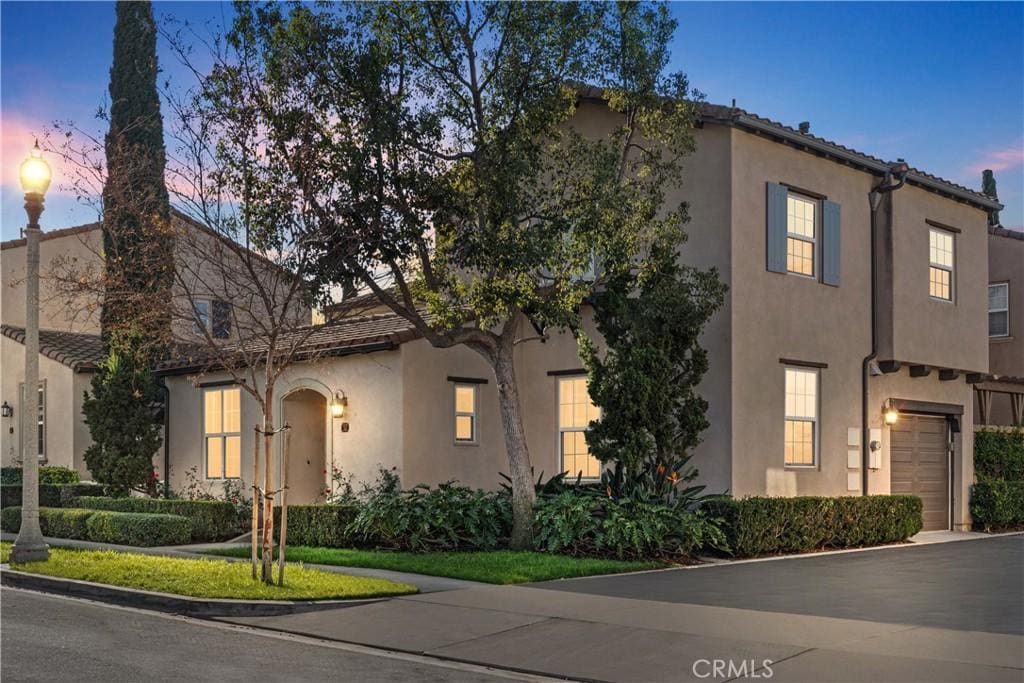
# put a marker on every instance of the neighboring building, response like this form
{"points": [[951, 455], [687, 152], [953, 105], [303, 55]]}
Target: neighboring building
{"points": [[1000, 399], [785, 218]]}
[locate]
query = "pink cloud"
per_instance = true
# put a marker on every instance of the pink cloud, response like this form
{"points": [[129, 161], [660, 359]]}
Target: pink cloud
{"points": [[1003, 159], [17, 135]]}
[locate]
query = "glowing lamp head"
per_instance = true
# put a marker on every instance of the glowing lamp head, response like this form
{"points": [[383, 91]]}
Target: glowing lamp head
{"points": [[338, 405], [35, 173], [891, 415]]}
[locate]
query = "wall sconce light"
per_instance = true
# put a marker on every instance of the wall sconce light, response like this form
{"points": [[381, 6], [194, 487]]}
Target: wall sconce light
{"points": [[6, 410], [338, 404], [890, 414]]}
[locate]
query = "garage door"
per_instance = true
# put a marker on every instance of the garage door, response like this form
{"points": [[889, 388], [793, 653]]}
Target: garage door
{"points": [[919, 454]]}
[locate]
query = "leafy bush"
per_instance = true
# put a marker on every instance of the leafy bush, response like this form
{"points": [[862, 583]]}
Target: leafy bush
{"points": [[319, 526], [998, 505], [449, 517], [55, 522], [48, 474], [999, 455], [211, 520], [763, 526], [49, 495], [566, 523], [138, 528], [70, 493]]}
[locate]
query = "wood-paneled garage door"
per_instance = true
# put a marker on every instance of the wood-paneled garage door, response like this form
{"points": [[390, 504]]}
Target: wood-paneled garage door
{"points": [[919, 455]]}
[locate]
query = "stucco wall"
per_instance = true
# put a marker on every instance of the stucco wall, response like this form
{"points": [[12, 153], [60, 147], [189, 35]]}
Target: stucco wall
{"points": [[1006, 264]]}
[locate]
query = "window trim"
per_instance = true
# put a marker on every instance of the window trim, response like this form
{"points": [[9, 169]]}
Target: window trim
{"points": [[473, 416], [814, 242], [41, 442], [568, 376], [222, 435], [949, 269], [815, 421], [1005, 285]]}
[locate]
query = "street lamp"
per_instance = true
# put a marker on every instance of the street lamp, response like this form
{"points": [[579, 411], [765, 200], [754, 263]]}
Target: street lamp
{"points": [[29, 546]]}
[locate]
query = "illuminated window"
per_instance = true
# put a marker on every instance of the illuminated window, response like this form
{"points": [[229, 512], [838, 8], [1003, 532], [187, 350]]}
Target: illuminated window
{"points": [[575, 412], [465, 413], [941, 268], [801, 235], [801, 416], [999, 310], [222, 433]]}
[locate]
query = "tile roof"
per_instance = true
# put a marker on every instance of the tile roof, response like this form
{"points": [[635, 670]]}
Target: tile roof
{"points": [[360, 334], [1006, 232], [80, 352]]}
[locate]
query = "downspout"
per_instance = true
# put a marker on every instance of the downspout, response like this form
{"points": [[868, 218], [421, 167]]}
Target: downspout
{"points": [[899, 171], [167, 437]]}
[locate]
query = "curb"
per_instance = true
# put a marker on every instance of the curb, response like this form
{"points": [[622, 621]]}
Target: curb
{"points": [[173, 604]]}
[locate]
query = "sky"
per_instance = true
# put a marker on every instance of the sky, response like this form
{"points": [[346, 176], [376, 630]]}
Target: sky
{"points": [[938, 84]]}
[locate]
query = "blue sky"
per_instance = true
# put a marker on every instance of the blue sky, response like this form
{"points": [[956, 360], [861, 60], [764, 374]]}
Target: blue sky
{"points": [[939, 84]]}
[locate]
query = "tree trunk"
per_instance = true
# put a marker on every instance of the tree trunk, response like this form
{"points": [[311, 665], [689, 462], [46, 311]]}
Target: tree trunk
{"points": [[523, 494], [268, 487], [255, 499], [283, 533]]}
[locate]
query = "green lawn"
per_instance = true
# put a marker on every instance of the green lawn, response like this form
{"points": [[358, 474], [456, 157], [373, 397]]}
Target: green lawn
{"points": [[203, 578], [499, 566]]}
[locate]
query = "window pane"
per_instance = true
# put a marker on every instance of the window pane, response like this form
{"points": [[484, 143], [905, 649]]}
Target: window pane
{"points": [[801, 393], [232, 410], [939, 283], [999, 324], [202, 309], [940, 248], [213, 421], [799, 442], [464, 399], [214, 462], [233, 457], [799, 256], [463, 428], [998, 297], [800, 217]]}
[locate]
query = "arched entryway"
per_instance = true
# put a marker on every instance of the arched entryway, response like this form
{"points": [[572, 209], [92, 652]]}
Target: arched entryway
{"points": [[306, 411]]}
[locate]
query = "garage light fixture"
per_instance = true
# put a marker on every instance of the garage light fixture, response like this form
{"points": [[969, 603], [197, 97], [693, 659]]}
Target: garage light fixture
{"points": [[338, 404], [6, 410], [890, 414]]}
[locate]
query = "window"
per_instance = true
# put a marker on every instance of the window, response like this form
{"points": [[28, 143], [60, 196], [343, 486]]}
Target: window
{"points": [[222, 433], [465, 413], [801, 417], [801, 235], [940, 271], [999, 310], [575, 411], [40, 420], [201, 308]]}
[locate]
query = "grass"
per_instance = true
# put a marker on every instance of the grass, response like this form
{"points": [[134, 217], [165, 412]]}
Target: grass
{"points": [[499, 566], [202, 578]]}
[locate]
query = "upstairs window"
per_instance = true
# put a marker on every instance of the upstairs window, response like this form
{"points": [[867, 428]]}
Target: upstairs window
{"points": [[465, 413], [941, 264], [801, 417], [213, 316], [801, 234], [999, 310], [575, 411], [201, 312], [222, 432]]}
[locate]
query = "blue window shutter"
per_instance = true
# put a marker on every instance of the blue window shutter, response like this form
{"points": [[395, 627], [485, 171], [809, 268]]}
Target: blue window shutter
{"points": [[776, 234], [830, 243]]}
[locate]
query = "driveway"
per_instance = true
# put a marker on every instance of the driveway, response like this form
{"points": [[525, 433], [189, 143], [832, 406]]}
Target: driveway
{"points": [[968, 586]]}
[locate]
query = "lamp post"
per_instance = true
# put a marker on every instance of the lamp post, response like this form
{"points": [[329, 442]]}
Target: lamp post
{"points": [[29, 545]]}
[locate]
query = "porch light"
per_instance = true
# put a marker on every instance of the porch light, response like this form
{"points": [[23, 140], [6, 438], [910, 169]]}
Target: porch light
{"points": [[890, 414], [6, 410], [338, 404], [34, 173]]}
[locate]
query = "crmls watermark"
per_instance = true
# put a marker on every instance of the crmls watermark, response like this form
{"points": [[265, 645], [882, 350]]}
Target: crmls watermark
{"points": [[730, 668]]}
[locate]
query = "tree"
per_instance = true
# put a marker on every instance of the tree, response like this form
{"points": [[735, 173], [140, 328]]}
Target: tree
{"points": [[645, 381], [988, 187], [428, 150], [120, 414]]}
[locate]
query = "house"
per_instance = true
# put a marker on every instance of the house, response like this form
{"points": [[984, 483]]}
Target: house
{"points": [[71, 349], [799, 401], [1000, 399]]}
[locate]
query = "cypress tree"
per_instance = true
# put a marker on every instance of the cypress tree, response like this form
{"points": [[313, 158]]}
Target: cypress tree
{"points": [[137, 237], [988, 186]]}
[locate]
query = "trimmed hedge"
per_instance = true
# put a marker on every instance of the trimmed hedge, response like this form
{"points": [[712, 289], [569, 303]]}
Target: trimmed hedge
{"points": [[124, 528], [998, 505], [212, 520], [766, 526], [70, 493], [138, 528], [49, 495], [320, 526], [48, 474], [999, 455]]}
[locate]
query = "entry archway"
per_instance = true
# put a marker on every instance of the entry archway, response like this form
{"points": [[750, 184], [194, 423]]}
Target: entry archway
{"points": [[306, 411]]}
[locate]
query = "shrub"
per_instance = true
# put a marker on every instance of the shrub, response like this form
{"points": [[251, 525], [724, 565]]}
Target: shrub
{"points": [[55, 522], [449, 517], [567, 523], [70, 493], [138, 528], [321, 526], [762, 526], [49, 495], [998, 505], [999, 455], [48, 474], [211, 520]]}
